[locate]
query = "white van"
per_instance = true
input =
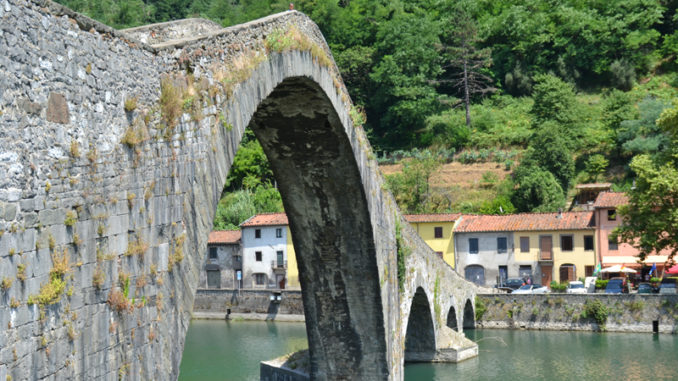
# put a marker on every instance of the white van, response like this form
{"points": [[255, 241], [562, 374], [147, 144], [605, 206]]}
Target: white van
{"points": [[668, 286]]}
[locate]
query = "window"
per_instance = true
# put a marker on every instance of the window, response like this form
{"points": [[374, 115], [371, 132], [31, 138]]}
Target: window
{"points": [[588, 242], [611, 243], [438, 232], [475, 273], [440, 253], [611, 214], [501, 244], [524, 244], [473, 245], [525, 271], [257, 233], [588, 270], [280, 258], [278, 233], [213, 253], [260, 279], [566, 243], [257, 256]]}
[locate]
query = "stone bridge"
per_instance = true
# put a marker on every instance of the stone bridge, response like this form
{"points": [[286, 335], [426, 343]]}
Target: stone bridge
{"points": [[114, 149]]}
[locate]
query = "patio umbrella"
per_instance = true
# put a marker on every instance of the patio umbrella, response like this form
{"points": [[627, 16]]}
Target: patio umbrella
{"points": [[618, 269], [673, 270]]}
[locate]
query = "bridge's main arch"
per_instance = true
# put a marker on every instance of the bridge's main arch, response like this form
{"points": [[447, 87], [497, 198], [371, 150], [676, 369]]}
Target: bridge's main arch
{"points": [[135, 259]]}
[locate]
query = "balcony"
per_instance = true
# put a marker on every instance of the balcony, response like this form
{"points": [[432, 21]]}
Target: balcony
{"points": [[545, 255], [279, 266]]}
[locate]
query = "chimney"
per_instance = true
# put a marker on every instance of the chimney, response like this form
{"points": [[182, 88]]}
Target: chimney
{"points": [[560, 213]]}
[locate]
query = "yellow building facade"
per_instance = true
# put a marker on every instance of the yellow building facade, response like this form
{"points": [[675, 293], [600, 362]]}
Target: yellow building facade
{"points": [[437, 230], [292, 267], [560, 255]]}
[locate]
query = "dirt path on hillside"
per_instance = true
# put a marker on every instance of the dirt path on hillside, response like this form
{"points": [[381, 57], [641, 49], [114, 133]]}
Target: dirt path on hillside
{"points": [[465, 176]]}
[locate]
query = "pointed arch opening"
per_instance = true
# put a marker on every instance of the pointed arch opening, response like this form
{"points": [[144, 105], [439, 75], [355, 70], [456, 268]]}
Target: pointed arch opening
{"points": [[452, 319], [469, 315]]}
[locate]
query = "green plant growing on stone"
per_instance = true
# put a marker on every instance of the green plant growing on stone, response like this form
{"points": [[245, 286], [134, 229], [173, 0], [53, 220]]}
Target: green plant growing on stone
{"points": [[357, 115], [177, 254], [597, 310], [402, 252], [75, 149], [11, 252], [137, 247], [131, 104], [51, 241], [99, 277], [13, 303], [170, 105], [6, 283], [21, 272], [50, 293], [481, 308], [71, 218], [292, 38], [48, 186], [135, 134], [130, 200]]}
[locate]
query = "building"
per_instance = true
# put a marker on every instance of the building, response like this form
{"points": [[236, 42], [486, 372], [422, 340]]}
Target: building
{"points": [[437, 230], [543, 246], [587, 194], [268, 254], [223, 267], [561, 245], [611, 252], [484, 249]]}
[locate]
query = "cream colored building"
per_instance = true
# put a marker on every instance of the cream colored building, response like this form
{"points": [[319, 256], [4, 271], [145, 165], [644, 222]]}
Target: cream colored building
{"points": [[437, 230]]}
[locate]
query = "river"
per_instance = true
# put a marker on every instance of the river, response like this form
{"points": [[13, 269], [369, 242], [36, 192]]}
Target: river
{"points": [[220, 350]]}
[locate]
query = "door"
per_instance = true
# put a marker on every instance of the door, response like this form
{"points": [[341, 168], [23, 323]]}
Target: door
{"points": [[546, 275], [545, 245], [567, 273], [503, 274], [213, 279], [476, 274]]}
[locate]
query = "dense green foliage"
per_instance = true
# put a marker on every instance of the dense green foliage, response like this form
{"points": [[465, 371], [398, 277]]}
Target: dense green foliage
{"points": [[578, 85]]}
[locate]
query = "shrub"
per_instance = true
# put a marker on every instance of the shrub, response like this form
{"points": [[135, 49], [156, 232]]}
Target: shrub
{"points": [[118, 301], [601, 284], [71, 218], [481, 308], [21, 272], [131, 104], [558, 287], [595, 309]]}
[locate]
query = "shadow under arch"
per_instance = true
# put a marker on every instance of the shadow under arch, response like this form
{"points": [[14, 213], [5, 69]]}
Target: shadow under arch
{"points": [[420, 342], [323, 195], [452, 319], [469, 315]]}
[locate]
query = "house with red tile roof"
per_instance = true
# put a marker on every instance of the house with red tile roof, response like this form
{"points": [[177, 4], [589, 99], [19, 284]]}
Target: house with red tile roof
{"points": [[610, 251], [542, 246], [437, 230], [268, 252], [224, 260]]}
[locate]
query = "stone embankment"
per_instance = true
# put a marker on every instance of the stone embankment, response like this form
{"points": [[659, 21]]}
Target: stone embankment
{"points": [[280, 305], [598, 312]]}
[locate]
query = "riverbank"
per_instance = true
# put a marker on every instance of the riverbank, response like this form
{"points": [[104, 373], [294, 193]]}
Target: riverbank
{"points": [[247, 316], [591, 312], [249, 304]]}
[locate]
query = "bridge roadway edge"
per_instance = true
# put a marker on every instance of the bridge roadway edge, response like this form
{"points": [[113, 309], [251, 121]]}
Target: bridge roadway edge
{"points": [[142, 194]]}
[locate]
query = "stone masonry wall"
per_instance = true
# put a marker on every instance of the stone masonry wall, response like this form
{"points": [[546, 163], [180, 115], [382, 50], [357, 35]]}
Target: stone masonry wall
{"points": [[248, 301], [626, 313], [113, 155], [93, 231]]}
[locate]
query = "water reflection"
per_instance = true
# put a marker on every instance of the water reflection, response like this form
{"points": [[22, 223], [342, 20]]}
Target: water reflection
{"points": [[219, 350]]}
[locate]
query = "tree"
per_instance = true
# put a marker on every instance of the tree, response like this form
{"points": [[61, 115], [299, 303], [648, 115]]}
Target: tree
{"points": [[548, 150], [411, 187], [466, 66], [407, 67], [537, 191], [650, 219], [596, 165], [644, 135], [250, 165]]}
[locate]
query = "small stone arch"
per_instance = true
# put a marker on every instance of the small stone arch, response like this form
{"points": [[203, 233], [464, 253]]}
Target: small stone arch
{"points": [[420, 343], [452, 319], [469, 315]]}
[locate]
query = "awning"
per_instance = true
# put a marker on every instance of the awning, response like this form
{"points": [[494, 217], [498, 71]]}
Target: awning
{"points": [[631, 260], [617, 269]]}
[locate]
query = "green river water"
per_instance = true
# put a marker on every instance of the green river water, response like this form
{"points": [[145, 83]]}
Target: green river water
{"points": [[220, 350]]}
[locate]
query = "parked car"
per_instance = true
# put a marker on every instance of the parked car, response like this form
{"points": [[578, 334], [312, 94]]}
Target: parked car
{"points": [[531, 289], [615, 286], [646, 288], [510, 284], [668, 286], [576, 287]]}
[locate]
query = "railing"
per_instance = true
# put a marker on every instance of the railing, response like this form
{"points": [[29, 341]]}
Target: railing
{"points": [[278, 264], [545, 255]]}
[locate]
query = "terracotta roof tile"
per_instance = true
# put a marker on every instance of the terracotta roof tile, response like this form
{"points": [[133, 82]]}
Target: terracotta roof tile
{"points": [[266, 219], [222, 237], [611, 200], [525, 222], [436, 217]]}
